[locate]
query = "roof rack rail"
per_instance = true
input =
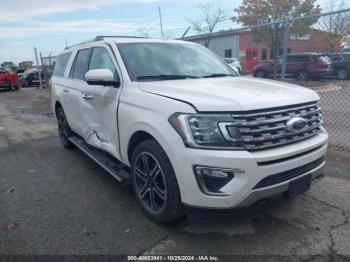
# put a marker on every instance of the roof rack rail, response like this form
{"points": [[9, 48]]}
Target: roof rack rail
{"points": [[101, 37], [81, 43]]}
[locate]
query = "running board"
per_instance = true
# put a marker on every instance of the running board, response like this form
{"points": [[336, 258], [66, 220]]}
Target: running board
{"points": [[107, 162]]}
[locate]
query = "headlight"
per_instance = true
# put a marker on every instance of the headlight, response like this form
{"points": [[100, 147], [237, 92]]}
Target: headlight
{"points": [[207, 131]]}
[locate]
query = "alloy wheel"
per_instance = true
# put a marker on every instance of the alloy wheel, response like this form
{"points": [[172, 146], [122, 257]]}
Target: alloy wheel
{"points": [[150, 182]]}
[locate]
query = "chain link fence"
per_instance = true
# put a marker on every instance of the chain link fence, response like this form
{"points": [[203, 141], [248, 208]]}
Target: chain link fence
{"points": [[312, 51]]}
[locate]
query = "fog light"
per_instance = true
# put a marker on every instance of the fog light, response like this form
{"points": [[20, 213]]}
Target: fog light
{"points": [[212, 179]]}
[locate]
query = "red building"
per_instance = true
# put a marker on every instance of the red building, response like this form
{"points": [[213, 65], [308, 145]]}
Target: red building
{"points": [[253, 53]]}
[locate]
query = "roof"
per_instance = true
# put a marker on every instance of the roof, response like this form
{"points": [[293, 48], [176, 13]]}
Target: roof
{"points": [[305, 53], [213, 35], [125, 39]]}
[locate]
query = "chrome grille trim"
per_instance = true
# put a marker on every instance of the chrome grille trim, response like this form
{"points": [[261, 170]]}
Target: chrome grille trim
{"points": [[274, 119], [268, 129], [315, 104]]}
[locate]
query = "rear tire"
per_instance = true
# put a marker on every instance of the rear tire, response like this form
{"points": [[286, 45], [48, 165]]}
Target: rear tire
{"points": [[303, 76], [9, 86], [64, 130], [27, 83], [154, 183], [260, 74]]}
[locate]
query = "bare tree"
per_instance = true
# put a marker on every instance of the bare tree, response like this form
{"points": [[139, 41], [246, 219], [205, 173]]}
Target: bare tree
{"points": [[145, 32], [210, 17], [337, 27]]}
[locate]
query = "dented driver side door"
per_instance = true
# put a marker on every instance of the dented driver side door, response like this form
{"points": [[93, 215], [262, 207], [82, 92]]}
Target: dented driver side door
{"points": [[98, 105]]}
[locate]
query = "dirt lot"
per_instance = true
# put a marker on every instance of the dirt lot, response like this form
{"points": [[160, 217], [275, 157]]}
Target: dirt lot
{"points": [[55, 201]]}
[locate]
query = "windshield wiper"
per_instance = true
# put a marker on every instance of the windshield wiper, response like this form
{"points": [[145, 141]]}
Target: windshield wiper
{"points": [[218, 75], [165, 77]]}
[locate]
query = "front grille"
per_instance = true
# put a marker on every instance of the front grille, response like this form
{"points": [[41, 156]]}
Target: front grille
{"points": [[290, 174], [262, 129]]}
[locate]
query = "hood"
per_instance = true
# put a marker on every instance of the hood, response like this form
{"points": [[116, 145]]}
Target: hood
{"points": [[231, 93]]}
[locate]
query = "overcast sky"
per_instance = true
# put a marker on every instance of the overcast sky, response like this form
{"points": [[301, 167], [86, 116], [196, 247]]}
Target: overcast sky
{"points": [[47, 23]]}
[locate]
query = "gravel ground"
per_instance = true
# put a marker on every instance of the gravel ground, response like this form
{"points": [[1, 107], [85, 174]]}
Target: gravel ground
{"points": [[55, 201]]}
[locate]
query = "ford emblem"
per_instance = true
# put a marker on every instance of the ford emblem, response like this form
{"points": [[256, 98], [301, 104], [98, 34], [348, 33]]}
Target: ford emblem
{"points": [[296, 124]]}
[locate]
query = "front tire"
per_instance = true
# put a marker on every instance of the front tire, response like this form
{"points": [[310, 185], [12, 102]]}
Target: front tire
{"points": [[260, 74], [154, 183], [64, 130]]}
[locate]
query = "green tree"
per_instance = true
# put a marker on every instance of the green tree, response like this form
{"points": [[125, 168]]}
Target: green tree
{"points": [[256, 12]]}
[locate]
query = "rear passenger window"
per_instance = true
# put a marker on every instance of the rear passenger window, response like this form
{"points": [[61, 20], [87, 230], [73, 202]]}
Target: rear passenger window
{"points": [[100, 59], [346, 57], [61, 64], [81, 65], [290, 59]]}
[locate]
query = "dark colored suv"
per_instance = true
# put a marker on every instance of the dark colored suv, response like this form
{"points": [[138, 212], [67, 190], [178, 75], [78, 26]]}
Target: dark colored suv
{"points": [[345, 50], [340, 65], [303, 66]]}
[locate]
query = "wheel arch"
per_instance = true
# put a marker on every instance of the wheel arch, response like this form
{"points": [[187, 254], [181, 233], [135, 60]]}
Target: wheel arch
{"points": [[57, 106], [136, 138]]}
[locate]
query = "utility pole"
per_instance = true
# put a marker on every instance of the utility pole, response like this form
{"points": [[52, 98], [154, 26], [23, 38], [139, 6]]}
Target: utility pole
{"points": [[185, 33], [37, 62], [66, 43], [160, 21], [287, 26], [286, 38], [42, 66]]}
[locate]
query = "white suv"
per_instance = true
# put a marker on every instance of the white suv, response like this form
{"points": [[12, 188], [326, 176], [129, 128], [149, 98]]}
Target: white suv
{"points": [[176, 122]]}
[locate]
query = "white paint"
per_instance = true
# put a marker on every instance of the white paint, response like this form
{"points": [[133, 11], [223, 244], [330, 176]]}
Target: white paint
{"points": [[115, 114]]}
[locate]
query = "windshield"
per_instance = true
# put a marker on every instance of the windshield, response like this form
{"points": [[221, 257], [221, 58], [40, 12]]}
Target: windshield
{"points": [[167, 61]]}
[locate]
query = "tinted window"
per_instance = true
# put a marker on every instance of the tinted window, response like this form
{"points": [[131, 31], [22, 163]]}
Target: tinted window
{"points": [[346, 57], [334, 57], [291, 59], [298, 59], [100, 59], [81, 65], [61, 64]]}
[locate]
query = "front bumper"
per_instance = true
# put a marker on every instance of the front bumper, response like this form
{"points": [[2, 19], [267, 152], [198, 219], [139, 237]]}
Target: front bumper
{"points": [[257, 195], [241, 191]]}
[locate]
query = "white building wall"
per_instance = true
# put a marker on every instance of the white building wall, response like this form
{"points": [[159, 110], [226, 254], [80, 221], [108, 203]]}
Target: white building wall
{"points": [[219, 44]]}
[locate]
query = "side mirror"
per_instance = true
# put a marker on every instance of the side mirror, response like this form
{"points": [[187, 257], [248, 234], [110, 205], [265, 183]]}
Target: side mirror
{"points": [[101, 77]]}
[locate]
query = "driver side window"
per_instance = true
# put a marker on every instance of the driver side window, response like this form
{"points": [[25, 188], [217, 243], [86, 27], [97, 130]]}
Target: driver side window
{"points": [[100, 59]]}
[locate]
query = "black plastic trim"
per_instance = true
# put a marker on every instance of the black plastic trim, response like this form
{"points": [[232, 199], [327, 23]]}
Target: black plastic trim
{"points": [[289, 174], [275, 161]]}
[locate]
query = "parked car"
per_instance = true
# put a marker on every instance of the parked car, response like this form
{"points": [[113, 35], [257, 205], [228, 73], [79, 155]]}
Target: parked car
{"points": [[345, 50], [9, 80], [31, 77], [187, 133], [303, 66], [235, 64], [340, 65]]}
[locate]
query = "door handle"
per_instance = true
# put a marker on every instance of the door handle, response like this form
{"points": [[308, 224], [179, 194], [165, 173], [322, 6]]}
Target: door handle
{"points": [[87, 96], [66, 90]]}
